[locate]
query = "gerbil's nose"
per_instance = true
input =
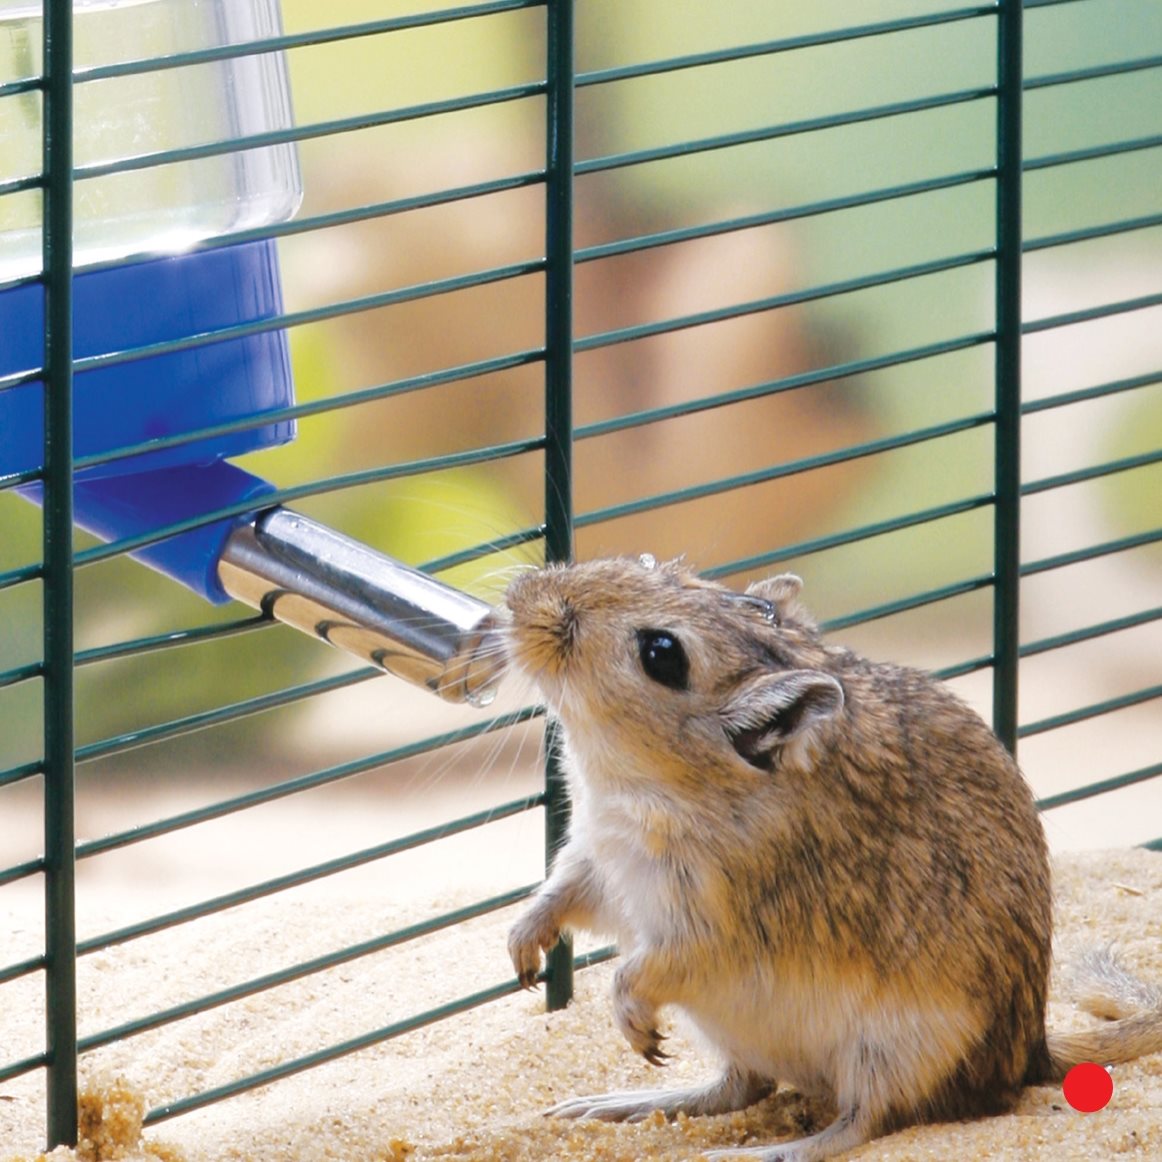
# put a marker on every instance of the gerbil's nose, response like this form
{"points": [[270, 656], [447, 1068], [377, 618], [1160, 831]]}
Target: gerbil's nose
{"points": [[520, 590]]}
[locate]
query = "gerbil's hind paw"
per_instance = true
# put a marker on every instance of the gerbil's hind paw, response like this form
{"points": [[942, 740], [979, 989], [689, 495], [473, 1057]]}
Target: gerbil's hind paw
{"points": [[788, 1152], [759, 1153], [647, 1042], [629, 1106], [735, 1090], [845, 1133], [637, 1021]]}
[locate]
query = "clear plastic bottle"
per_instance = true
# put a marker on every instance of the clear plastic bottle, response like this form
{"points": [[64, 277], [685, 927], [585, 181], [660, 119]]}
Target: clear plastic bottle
{"points": [[140, 277], [158, 209]]}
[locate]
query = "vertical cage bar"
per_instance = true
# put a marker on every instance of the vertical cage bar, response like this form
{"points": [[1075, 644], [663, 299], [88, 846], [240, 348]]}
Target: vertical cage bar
{"points": [[59, 771], [558, 404], [559, 962], [1007, 452]]}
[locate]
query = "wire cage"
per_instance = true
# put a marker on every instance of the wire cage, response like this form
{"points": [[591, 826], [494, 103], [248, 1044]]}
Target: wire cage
{"points": [[869, 291]]}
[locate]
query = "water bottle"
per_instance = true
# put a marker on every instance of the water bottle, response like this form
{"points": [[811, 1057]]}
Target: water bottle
{"points": [[157, 209], [140, 277], [143, 278]]}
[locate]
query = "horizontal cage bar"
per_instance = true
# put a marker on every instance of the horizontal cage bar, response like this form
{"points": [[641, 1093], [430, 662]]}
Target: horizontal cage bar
{"points": [[788, 44], [1096, 710], [1091, 632], [409, 294], [1090, 790], [1091, 153], [1092, 73], [787, 299], [1092, 314], [19, 1068], [1098, 391], [20, 871], [1095, 472], [19, 674], [820, 375], [290, 41], [314, 488], [311, 132], [963, 669], [908, 604], [780, 471], [642, 242], [852, 536], [1092, 233], [303, 969], [171, 639], [346, 1048], [422, 382], [1092, 552], [228, 900], [301, 784], [787, 129], [21, 773], [232, 712]]}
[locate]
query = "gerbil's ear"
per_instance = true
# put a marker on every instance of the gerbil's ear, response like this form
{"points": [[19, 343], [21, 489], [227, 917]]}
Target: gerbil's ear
{"points": [[779, 590], [778, 709]]}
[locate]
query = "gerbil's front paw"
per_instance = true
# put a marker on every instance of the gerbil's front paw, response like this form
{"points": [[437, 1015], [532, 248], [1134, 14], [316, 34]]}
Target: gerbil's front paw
{"points": [[638, 1022], [533, 934]]}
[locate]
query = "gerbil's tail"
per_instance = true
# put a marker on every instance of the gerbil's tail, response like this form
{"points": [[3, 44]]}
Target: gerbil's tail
{"points": [[1133, 1007]]}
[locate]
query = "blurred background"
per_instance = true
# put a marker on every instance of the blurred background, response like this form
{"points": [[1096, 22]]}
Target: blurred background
{"points": [[424, 516]]}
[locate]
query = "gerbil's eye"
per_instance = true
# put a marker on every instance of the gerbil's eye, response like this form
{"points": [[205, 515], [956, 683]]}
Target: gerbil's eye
{"points": [[663, 658]]}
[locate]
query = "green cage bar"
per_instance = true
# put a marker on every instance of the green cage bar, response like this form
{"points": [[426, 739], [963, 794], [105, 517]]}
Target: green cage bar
{"points": [[59, 770], [1007, 515], [558, 408]]}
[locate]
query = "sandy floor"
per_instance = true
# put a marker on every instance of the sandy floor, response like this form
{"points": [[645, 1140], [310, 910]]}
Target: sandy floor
{"points": [[473, 1087]]}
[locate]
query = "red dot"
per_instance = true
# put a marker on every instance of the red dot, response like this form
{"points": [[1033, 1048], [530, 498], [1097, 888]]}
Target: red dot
{"points": [[1088, 1087]]}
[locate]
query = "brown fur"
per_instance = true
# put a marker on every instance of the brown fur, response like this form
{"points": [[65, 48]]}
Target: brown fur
{"points": [[831, 864]]}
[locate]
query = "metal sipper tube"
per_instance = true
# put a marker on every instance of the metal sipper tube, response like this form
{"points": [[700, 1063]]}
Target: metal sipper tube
{"points": [[388, 614]]}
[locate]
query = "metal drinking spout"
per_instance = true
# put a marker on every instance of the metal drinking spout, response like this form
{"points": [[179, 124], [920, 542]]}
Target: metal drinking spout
{"points": [[382, 611]]}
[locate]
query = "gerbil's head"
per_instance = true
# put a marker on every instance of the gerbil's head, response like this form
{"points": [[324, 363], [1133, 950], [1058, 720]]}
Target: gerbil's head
{"points": [[653, 663]]}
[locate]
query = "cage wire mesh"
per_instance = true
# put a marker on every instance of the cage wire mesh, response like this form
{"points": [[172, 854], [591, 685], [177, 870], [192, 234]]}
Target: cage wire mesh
{"points": [[772, 285]]}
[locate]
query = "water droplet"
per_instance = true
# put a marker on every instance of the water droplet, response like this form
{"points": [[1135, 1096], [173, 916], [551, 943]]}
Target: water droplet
{"points": [[766, 608], [483, 696], [648, 561]]}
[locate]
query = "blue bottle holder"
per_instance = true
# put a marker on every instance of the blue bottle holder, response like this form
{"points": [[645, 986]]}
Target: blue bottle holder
{"points": [[385, 613], [172, 394]]}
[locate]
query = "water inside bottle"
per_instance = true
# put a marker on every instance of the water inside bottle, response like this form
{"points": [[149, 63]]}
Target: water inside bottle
{"points": [[156, 207]]}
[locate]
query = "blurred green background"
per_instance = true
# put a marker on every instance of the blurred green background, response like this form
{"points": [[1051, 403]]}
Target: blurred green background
{"points": [[423, 517]]}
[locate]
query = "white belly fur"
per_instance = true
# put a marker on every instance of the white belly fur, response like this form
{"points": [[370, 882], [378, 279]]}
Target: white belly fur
{"points": [[806, 1024], [779, 1012]]}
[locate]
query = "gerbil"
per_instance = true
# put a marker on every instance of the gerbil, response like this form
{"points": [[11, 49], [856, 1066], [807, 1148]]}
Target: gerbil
{"points": [[830, 864]]}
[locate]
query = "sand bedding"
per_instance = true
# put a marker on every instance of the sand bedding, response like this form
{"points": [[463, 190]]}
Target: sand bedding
{"points": [[473, 1087]]}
